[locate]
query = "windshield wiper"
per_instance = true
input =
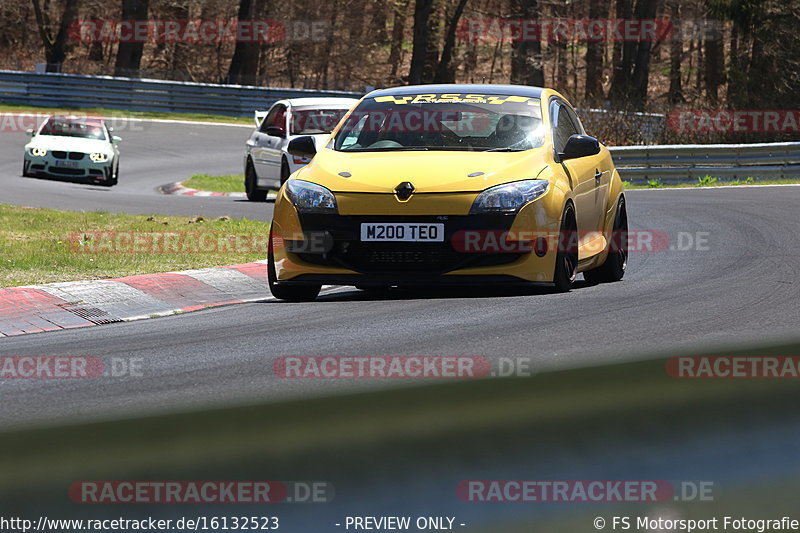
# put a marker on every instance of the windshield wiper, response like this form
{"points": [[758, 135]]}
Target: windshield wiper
{"points": [[504, 149]]}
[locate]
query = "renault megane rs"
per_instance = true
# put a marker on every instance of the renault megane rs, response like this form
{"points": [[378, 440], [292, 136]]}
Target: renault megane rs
{"points": [[450, 184]]}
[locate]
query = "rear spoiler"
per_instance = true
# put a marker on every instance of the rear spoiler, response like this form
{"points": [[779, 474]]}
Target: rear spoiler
{"points": [[259, 117]]}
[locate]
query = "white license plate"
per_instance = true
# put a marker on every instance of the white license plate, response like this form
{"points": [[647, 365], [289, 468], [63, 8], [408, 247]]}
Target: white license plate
{"points": [[401, 232], [67, 164]]}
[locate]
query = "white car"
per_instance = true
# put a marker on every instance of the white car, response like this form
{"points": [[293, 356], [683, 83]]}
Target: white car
{"points": [[68, 146], [267, 164]]}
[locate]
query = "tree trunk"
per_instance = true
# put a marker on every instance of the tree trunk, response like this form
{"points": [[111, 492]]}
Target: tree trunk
{"points": [[398, 33], [244, 65], [55, 48], [444, 74], [129, 54], [715, 60], [623, 59], [645, 10], [526, 53], [422, 15], [675, 94], [598, 9]]}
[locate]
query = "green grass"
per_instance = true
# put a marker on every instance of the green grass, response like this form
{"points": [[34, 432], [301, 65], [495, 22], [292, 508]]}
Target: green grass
{"points": [[205, 182], [119, 113], [706, 181], [47, 245]]}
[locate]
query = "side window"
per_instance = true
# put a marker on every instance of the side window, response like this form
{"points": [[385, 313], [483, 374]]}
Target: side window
{"points": [[563, 126], [276, 117], [574, 118], [352, 136]]}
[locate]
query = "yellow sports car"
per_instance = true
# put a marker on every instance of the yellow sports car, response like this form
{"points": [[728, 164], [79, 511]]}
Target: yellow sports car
{"points": [[450, 184]]}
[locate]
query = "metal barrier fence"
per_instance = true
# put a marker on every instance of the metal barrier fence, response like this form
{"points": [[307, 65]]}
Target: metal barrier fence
{"points": [[671, 163], [73, 90], [677, 163]]}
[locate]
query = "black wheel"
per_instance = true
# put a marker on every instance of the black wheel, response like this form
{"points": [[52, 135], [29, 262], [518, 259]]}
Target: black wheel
{"points": [[567, 256], [114, 179], [289, 293], [285, 172], [254, 194], [617, 261], [25, 173]]}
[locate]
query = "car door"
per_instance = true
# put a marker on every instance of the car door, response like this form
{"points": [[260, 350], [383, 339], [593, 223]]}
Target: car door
{"points": [[268, 142], [584, 173]]}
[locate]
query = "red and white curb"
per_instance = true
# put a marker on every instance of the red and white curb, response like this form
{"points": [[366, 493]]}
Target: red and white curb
{"points": [[76, 304], [178, 188]]}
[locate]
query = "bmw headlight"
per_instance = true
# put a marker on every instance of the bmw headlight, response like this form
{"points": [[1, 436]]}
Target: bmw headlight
{"points": [[309, 197], [98, 157], [38, 152], [509, 197]]}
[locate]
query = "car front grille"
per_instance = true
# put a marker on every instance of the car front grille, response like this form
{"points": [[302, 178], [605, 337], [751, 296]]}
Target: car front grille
{"points": [[75, 156], [347, 250]]}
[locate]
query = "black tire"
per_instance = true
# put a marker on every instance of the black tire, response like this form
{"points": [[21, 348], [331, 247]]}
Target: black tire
{"points": [[114, 177], [285, 172], [24, 173], [566, 268], [289, 293], [613, 269], [254, 194]]}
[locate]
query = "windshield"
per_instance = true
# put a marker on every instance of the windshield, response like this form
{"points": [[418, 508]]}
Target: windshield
{"points": [[74, 128], [453, 122], [315, 121]]}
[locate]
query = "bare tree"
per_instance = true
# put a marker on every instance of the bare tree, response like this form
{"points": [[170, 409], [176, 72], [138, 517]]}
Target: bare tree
{"points": [[419, 53], [444, 74], [598, 9], [129, 53], [526, 51], [244, 64], [55, 46]]}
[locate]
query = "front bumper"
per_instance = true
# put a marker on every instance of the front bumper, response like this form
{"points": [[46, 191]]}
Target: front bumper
{"points": [[328, 250], [50, 165]]}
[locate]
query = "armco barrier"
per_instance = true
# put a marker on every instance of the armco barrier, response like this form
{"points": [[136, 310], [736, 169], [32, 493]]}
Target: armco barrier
{"points": [[73, 90], [691, 161]]}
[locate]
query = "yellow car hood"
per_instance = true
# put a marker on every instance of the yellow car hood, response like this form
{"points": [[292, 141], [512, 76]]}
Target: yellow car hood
{"points": [[428, 171]]}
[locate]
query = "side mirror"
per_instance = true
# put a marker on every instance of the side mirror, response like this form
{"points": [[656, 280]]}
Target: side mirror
{"points": [[580, 146], [116, 140], [30, 133], [275, 131], [302, 147]]}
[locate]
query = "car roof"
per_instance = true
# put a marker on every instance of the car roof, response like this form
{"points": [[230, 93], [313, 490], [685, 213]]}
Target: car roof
{"points": [[322, 102], [484, 88], [94, 121]]}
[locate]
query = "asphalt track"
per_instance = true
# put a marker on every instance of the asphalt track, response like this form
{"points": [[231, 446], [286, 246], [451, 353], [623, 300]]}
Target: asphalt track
{"points": [[738, 287]]}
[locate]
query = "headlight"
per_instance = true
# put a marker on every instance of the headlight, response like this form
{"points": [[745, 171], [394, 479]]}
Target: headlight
{"points": [[38, 152], [508, 198], [98, 157], [310, 197]]}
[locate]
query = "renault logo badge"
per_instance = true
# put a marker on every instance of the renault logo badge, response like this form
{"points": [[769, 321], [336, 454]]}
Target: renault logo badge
{"points": [[404, 191]]}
